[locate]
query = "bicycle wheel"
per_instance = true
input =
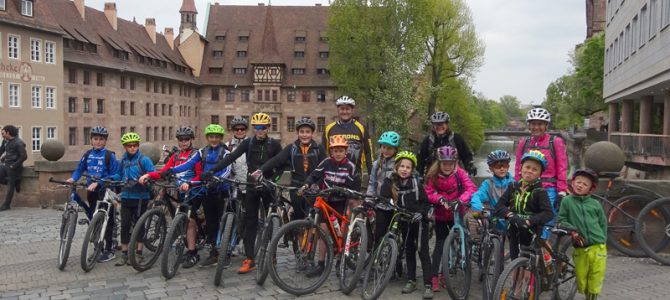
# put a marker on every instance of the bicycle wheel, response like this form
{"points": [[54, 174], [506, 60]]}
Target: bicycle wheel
{"points": [[621, 227], [228, 220], [173, 248], [301, 253], [652, 230], [259, 232], [91, 246], [67, 228], [150, 230], [353, 257], [493, 265], [565, 278], [517, 281], [456, 265], [262, 259], [380, 269]]}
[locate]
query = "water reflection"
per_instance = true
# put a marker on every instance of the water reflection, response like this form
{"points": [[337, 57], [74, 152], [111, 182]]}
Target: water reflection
{"points": [[489, 145]]}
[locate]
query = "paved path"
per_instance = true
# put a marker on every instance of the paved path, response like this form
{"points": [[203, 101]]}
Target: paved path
{"points": [[28, 249]]}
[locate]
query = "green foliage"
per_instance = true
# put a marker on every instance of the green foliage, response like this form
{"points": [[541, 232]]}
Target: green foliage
{"points": [[491, 112], [456, 99], [511, 106]]}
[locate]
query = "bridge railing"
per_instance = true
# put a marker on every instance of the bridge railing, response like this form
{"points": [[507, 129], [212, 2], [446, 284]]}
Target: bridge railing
{"points": [[642, 144]]}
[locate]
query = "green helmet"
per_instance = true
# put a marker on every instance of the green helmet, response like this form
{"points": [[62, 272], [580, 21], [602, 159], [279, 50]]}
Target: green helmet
{"points": [[130, 137], [407, 155], [214, 129]]}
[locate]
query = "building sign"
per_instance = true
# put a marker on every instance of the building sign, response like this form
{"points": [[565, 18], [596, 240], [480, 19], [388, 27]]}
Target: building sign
{"points": [[268, 107], [23, 72]]}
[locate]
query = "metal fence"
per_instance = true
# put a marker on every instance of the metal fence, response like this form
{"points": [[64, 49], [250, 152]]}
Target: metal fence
{"points": [[642, 144]]}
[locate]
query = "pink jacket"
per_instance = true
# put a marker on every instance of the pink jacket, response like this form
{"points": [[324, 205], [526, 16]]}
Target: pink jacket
{"points": [[557, 167], [447, 187]]}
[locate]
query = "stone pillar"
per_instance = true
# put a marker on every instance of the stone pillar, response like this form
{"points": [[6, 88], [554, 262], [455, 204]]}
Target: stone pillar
{"points": [[627, 116], [666, 113], [613, 117], [646, 104]]}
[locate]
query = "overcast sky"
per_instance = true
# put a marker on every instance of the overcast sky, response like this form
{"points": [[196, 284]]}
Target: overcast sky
{"points": [[527, 41]]}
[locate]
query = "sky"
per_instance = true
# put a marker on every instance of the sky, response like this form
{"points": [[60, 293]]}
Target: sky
{"points": [[527, 41]]}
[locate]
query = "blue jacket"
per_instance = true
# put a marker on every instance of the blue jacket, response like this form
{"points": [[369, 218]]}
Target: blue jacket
{"points": [[212, 156], [489, 192], [131, 170], [94, 165]]}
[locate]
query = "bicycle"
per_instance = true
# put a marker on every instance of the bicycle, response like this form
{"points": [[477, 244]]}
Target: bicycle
{"points": [[456, 256], [300, 244], [95, 234], [173, 248], [489, 252], [69, 220], [652, 231], [528, 276], [355, 251], [151, 228]]}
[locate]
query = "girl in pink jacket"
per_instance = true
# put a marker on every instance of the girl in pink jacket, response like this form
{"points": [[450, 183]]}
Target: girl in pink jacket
{"points": [[445, 182]]}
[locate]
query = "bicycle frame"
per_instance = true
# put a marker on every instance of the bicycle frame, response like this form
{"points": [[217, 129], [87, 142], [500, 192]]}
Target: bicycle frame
{"points": [[327, 211], [534, 254], [461, 232], [104, 206]]}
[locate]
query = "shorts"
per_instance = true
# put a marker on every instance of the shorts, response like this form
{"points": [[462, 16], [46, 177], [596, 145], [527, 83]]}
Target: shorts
{"points": [[590, 265]]}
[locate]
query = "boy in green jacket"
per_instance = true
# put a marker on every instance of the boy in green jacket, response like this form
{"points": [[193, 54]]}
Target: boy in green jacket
{"points": [[585, 214]]}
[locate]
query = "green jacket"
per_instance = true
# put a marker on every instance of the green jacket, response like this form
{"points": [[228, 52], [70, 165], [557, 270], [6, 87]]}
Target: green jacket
{"points": [[585, 214]]}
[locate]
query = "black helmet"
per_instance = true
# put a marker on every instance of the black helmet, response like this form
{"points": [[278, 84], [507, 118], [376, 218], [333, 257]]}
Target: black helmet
{"points": [[439, 117], [305, 122], [239, 121], [100, 131], [185, 132]]}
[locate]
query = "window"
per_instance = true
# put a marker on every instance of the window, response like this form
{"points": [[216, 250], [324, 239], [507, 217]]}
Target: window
{"points": [[170, 88], [323, 38], [72, 105], [635, 31], [299, 54], [50, 97], [148, 109], [244, 38], [163, 87], [290, 96], [220, 38], [35, 50], [132, 129], [241, 53], [290, 124], [72, 136], [170, 111], [321, 96], [230, 95], [155, 86], [122, 82], [36, 138], [123, 130], [215, 94], [217, 54], [27, 8], [50, 52], [275, 96], [321, 124], [322, 72], [239, 71], [36, 96], [72, 75], [123, 108], [13, 47], [665, 14], [132, 108], [245, 95], [267, 95], [214, 119], [298, 71], [147, 87], [644, 27], [2, 5], [163, 133], [628, 41], [100, 104], [148, 134], [300, 39], [155, 133], [14, 95], [87, 105], [215, 70], [274, 124], [51, 133], [305, 96], [87, 135], [132, 83], [163, 107], [155, 109], [323, 54], [87, 77], [653, 18]]}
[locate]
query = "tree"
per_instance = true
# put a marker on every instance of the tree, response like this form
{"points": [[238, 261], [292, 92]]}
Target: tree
{"points": [[511, 106], [456, 99], [491, 112]]}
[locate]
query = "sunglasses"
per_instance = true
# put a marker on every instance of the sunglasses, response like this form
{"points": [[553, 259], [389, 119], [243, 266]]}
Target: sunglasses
{"points": [[260, 127], [131, 145], [500, 165], [240, 129]]}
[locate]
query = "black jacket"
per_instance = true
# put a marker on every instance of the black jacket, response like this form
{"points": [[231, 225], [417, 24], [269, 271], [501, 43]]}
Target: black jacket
{"points": [[407, 194], [291, 159], [537, 206], [258, 152], [15, 153], [427, 151], [331, 173]]}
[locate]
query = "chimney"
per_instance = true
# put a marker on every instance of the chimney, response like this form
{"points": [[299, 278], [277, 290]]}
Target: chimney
{"points": [[81, 7], [169, 37], [150, 26], [110, 13]]}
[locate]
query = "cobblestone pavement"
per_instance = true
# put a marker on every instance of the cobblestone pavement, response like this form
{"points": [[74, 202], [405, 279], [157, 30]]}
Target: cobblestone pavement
{"points": [[28, 249]]}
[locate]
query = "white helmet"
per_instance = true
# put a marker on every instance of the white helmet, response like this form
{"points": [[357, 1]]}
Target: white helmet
{"points": [[345, 100], [538, 113]]}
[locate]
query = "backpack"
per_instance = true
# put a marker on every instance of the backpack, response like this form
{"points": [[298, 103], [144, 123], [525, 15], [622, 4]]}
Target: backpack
{"points": [[139, 164], [431, 147], [204, 150], [108, 157], [177, 156], [550, 147], [293, 151]]}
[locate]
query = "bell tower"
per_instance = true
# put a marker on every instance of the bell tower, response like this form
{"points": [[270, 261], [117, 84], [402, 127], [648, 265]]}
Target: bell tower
{"points": [[188, 16]]}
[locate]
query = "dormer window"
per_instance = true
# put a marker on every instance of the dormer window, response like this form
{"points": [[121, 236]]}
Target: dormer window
{"points": [[26, 8]]}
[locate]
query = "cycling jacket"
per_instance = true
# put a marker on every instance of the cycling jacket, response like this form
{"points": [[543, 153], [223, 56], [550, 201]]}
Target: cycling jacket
{"points": [[330, 173], [177, 159], [490, 191], [93, 164], [555, 175], [360, 147], [455, 187], [292, 158]]}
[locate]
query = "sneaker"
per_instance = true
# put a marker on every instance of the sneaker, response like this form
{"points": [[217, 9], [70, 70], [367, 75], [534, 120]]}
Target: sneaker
{"points": [[428, 292], [315, 271], [210, 260], [139, 258], [190, 260], [83, 221], [435, 284], [443, 278], [410, 287], [248, 265], [106, 256], [122, 260]]}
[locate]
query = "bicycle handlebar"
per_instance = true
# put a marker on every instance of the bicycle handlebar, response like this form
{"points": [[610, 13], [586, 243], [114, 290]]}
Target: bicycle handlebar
{"points": [[331, 190], [266, 182], [70, 184]]}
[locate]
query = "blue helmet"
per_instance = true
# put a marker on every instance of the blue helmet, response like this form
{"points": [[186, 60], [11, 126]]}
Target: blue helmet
{"points": [[536, 156], [100, 131], [496, 156], [390, 138]]}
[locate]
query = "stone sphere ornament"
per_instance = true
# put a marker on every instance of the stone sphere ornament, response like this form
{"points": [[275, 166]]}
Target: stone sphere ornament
{"points": [[604, 157], [150, 150], [52, 150]]}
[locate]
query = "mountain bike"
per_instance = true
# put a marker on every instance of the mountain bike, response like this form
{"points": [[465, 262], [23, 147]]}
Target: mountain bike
{"points": [[69, 220], [652, 230], [300, 244], [356, 243], [456, 264], [488, 252]]}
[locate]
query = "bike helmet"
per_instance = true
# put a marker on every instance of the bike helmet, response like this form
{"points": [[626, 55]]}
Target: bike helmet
{"points": [[338, 141], [407, 155], [588, 173], [538, 113], [345, 100], [185, 132], [99, 131], [239, 121], [130, 137], [447, 153], [440, 117], [214, 129], [496, 156], [261, 119], [536, 156], [305, 122], [390, 138]]}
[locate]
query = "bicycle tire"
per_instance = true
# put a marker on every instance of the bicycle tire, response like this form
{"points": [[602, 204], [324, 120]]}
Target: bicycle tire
{"points": [[299, 240], [621, 229], [223, 251], [658, 254], [520, 262], [356, 244], [151, 251], [263, 259], [386, 271], [67, 232], [452, 244], [176, 234], [259, 232], [493, 265], [571, 290], [91, 239]]}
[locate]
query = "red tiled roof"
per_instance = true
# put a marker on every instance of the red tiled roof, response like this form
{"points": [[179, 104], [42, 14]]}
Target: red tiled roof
{"points": [[268, 53], [188, 6], [42, 18]]}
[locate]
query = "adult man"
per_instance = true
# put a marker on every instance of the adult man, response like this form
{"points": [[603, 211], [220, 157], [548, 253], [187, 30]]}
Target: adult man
{"points": [[442, 135], [10, 171], [360, 147]]}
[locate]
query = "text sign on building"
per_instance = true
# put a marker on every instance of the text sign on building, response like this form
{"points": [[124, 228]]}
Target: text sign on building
{"points": [[268, 107], [23, 72]]}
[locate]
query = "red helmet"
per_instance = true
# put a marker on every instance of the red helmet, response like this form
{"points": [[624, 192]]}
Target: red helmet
{"points": [[588, 173]]}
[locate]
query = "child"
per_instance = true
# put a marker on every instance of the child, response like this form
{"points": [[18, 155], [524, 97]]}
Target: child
{"points": [[134, 198], [585, 214], [404, 187], [382, 168], [490, 190], [525, 204], [98, 162], [445, 182], [336, 170]]}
